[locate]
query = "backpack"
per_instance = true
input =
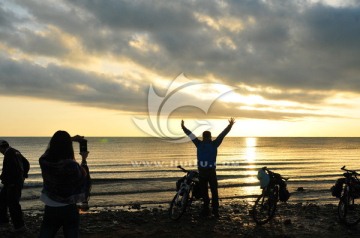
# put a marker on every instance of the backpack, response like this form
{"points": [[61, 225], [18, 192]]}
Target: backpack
{"points": [[337, 188], [23, 163]]}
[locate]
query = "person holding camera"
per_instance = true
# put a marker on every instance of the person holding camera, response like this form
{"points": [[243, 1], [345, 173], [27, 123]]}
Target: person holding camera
{"points": [[65, 183]]}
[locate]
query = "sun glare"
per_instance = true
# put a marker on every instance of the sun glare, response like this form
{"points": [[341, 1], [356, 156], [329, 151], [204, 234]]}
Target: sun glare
{"points": [[250, 152]]}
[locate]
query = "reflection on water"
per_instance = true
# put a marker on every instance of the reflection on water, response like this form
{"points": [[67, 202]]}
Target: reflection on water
{"points": [[251, 174], [250, 156], [250, 153]]}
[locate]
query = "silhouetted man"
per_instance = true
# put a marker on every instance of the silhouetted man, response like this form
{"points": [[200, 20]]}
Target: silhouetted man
{"points": [[12, 178], [206, 159]]}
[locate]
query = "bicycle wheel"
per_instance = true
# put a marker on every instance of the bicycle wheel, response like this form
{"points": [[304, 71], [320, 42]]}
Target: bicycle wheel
{"points": [[264, 208], [179, 204], [349, 210]]}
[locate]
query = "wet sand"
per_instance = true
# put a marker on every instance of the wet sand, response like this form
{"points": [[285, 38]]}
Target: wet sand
{"points": [[291, 220]]}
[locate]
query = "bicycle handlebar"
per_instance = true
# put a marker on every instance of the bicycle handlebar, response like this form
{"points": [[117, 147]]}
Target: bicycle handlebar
{"points": [[350, 171], [271, 172], [179, 166], [184, 170]]}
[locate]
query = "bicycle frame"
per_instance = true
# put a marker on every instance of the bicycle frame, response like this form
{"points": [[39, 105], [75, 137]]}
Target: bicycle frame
{"points": [[273, 188], [351, 180], [272, 191], [266, 203], [184, 196], [348, 209]]}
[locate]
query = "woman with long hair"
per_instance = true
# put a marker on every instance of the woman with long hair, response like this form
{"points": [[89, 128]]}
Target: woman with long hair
{"points": [[65, 183]]}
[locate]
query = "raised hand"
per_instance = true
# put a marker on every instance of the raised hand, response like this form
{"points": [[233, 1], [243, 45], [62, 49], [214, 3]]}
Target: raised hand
{"points": [[231, 121]]}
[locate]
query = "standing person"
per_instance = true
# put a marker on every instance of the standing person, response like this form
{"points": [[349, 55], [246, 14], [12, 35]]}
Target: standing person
{"points": [[12, 178], [206, 160], [64, 185]]}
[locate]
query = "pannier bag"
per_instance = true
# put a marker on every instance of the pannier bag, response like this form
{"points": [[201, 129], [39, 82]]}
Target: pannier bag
{"points": [[337, 188], [355, 188], [284, 194]]}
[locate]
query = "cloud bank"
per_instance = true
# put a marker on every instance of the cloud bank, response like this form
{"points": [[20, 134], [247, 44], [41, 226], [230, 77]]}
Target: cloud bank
{"points": [[106, 54]]}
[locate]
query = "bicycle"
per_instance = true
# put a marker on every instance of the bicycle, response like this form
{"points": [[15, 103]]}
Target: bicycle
{"points": [[266, 203], [349, 205], [187, 190]]}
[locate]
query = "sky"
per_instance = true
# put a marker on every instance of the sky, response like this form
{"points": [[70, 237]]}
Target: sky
{"points": [[138, 67]]}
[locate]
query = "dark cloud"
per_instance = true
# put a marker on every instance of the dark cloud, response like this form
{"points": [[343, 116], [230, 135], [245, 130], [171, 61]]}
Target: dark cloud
{"points": [[286, 45], [220, 110], [4, 22], [45, 45], [66, 84]]}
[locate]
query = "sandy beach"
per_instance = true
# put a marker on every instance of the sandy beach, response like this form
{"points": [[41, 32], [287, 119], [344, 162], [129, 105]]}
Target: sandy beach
{"points": [[136, 220]]}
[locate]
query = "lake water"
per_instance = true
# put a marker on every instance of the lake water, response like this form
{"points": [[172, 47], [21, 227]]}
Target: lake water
{"points": [[143, 170]]}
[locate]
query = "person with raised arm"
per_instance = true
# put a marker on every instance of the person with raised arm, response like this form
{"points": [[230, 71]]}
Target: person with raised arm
{"points": [[206, 162]]}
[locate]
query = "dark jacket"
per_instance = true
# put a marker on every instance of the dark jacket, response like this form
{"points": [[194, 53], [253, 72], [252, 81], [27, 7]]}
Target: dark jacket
{"points": [[207, 150], [64, 181], [11, 170]]}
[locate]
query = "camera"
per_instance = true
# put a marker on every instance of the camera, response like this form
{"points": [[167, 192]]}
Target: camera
{"points": [[82, 143]]}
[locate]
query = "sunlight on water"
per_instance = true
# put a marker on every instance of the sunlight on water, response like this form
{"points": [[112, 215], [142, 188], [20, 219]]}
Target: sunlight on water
{"points": [[250, 153], [251, 178], [251, 175]]}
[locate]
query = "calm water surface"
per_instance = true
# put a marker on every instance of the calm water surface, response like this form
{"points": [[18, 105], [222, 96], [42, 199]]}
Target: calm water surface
{"points": [[143, 170]]}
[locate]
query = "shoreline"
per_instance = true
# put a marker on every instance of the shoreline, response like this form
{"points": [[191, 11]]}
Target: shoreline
{"points": [[137, 220]]}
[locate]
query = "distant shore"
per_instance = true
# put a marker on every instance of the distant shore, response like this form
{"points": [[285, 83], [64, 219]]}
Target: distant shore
{"points": [[291, 220]]}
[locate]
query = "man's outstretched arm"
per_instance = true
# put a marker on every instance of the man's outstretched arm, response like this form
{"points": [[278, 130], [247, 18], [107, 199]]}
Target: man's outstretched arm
{"points": [[220, 138], [188, 132]]}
